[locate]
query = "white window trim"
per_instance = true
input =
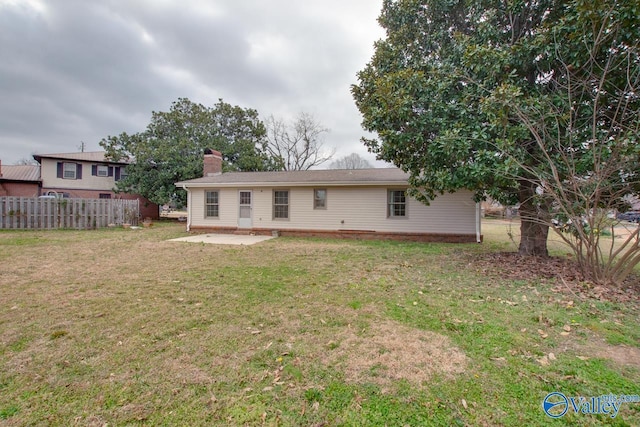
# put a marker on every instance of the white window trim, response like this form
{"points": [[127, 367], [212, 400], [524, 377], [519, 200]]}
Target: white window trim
{"points": [[70, 169], [288, 205], [315, 199], [102, 171], [206, 205], [390, 204]]}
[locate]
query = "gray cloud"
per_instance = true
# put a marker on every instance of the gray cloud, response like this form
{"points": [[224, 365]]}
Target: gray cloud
{"points": [[78, 70]]}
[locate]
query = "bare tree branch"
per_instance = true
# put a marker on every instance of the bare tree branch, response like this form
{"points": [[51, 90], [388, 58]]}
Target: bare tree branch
{"points": [[298, 145]]}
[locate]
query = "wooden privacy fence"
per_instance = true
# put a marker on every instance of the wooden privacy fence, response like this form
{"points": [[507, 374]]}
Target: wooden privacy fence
{"points": [[44, 213]]}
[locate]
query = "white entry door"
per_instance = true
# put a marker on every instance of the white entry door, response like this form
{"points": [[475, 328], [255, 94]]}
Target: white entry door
{"points": [[244, 214]]}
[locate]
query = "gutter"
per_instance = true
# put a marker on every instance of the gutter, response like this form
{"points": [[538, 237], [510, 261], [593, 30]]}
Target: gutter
{"points": [[280, 184], [478, 229], [184, 187]]}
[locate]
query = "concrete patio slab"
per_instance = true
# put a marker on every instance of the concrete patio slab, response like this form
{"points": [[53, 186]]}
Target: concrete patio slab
{"points": [[223, 239]]}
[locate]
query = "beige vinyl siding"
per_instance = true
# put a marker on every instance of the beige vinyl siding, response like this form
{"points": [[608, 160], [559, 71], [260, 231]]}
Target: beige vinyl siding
{"points": [[49, 171], [228, 208], [348, 208], [448, 213]]}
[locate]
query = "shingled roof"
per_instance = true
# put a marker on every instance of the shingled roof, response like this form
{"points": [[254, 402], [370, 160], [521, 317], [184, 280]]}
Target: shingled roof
{"points": [[379, 176]]}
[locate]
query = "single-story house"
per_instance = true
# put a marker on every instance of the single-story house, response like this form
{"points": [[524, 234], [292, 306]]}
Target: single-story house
{"points": [[361, 203], [20, 180]]}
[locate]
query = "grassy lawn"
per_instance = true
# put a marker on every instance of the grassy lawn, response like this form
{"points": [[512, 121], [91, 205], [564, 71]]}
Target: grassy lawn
{"points": [[122, 327], [495, 230]]}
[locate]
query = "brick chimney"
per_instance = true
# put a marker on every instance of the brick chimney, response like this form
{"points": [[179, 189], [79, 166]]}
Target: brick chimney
{"points": [[212, 162]]}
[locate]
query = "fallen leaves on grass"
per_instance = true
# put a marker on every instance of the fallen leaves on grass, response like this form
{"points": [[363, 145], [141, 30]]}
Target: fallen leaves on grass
{"points": [[565, 273], [547, 359]]}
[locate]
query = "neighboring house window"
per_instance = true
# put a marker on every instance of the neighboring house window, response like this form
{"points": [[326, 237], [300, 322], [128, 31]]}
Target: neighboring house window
{"points": [[397, 204], [69, 171], [121, 173], [281, 204], [212, 206], [319, 198], [103, 170], [104, 196]]}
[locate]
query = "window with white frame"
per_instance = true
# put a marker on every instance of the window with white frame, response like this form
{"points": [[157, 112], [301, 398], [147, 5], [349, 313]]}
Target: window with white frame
{"points": [[102, 170], [69, 171], [212, 205], [319, 198], [397, 204], [281, 204]]}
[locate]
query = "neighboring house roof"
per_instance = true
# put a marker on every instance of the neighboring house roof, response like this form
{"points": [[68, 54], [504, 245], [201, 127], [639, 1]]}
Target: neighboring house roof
{"points": [[23, 173], [328, 177], [87, 156]]}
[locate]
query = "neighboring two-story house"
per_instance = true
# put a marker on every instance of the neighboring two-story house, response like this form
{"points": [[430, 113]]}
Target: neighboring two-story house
{"points": [[87, 175], [83, 175]]}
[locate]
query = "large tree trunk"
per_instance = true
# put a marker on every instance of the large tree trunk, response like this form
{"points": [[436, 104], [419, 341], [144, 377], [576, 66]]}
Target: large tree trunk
{"points": [[534, 222], [533, 238]]}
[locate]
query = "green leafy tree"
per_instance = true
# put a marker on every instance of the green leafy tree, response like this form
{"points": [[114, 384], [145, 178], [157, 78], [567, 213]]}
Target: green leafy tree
{"points": [[171, 149], [586, 132], [438, 89]]}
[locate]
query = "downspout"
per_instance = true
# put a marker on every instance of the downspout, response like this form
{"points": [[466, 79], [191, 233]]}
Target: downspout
{"points": [[184, 186], [478, 214]]}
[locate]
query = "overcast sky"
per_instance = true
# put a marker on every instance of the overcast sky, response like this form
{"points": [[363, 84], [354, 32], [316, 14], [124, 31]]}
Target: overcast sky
{"points": [[74, 71]]}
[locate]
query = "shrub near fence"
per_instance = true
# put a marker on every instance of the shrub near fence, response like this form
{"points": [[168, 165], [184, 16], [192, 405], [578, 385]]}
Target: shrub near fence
{"points": [[43, 213]]}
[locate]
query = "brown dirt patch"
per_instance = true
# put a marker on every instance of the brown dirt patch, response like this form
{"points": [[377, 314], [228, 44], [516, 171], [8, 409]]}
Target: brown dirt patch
{"points": [[594, 347], [562, 272], [389, 351], [620, 355]]}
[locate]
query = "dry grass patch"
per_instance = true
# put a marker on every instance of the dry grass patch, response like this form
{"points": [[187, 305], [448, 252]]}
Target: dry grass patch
{"points": [[185, 371], [389, 351]]}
